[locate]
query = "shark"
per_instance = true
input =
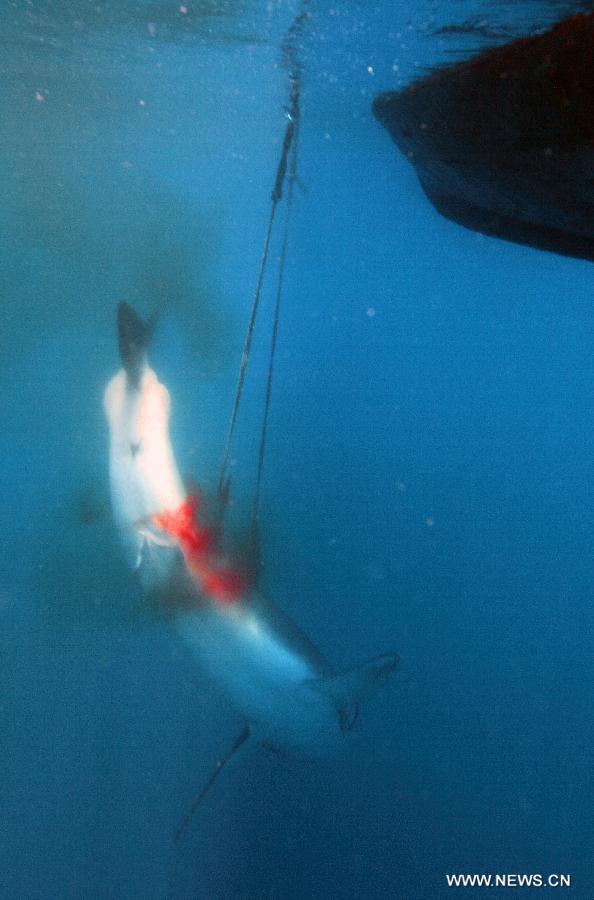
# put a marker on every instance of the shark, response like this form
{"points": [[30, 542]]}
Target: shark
{"points": [[287, 694]]}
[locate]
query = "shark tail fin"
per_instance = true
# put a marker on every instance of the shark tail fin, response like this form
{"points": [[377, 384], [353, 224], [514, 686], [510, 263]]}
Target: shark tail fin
{"points": [[134, 336], [352, 688]]}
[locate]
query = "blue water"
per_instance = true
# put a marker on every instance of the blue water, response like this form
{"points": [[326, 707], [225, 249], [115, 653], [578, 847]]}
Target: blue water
{"points": [[426, 490]]}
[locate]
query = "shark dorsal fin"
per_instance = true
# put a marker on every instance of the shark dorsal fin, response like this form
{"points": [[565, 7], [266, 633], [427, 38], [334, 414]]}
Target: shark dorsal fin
{"points": [[134, 336]]}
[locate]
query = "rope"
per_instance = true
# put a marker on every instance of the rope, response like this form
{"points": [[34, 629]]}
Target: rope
{"points": [[273, 343], [224, 476], [289, 56]]}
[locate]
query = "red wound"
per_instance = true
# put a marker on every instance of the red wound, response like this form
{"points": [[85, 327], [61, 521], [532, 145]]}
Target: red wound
{"points": [[198, 545]]}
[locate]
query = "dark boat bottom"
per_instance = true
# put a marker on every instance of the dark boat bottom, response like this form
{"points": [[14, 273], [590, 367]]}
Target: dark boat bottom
{"points": [[542, 237]]}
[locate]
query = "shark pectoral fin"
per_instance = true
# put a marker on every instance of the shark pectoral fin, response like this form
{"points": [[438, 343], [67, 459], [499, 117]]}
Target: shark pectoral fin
{"points": [[143, 557], [239, 741], [351, 688], [153, 535], [156, 561]]}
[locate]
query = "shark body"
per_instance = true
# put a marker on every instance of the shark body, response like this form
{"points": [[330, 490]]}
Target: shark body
{"points": [[272, 673]]}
